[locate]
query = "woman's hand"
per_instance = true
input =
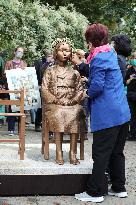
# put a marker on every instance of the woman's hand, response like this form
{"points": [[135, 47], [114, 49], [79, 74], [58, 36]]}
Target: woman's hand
{"points": [[84, 79], [75, 59]]}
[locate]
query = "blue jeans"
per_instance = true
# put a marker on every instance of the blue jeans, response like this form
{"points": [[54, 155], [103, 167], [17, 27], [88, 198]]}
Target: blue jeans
{"points": [[33, 115]]}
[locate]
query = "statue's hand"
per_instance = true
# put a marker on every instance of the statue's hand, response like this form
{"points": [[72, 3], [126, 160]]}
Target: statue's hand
{"points": [[71, 102], [60, 101], [65, 102]]}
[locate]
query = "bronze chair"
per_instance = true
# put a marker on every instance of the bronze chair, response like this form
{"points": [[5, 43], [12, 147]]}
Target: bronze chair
{"points": [[21, 115], [46, 141]]}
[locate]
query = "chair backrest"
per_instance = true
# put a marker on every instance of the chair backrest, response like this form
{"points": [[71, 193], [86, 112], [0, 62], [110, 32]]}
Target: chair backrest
{"points": [[18, 102]]}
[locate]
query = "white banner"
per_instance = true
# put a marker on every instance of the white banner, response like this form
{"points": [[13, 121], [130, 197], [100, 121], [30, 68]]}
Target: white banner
{"points": [[24, 79]]}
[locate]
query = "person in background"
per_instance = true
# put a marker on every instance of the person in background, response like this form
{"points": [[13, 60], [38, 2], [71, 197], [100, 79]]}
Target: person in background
{"points": [[33, 112], [109, 117], [80, 63], [1, 67], [40, 66], [130, 81], [122, 45], [16, 62], [3, 55], [81, 54], [78, 59]]}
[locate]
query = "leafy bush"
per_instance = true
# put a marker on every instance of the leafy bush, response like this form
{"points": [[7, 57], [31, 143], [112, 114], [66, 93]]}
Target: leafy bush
{"points": [[35, 26]]}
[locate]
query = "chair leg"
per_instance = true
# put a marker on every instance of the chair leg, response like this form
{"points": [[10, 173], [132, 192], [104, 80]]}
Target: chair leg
{"points": [[22, 137], [46, 143], [43, 130], [82, 136], [43, 135]]}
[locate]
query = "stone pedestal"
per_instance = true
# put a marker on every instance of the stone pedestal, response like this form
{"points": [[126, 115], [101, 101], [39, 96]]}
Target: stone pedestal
{"points": [[36, 176]]}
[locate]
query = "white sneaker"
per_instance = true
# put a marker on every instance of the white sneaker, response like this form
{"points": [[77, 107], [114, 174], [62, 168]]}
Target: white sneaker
{"points": [[117, 194], [11, 133], [85, 197]]}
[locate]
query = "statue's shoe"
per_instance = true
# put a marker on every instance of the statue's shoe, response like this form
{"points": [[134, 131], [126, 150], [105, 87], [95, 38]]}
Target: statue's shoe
{"points": [[73, 159], [59, 158]]}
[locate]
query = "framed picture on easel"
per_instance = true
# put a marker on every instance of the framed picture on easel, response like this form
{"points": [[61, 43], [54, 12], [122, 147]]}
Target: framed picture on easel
{"points": [[24, 79]]}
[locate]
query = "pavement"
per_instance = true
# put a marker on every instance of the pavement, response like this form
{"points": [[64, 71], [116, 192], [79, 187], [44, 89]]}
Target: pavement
{"points": [[130, 153]]}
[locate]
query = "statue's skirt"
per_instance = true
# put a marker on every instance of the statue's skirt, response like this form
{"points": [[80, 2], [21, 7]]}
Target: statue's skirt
{"points": [[67, 119]]}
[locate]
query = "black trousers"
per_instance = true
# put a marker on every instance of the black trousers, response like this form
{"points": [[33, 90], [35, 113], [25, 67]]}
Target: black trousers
{"points": [[38, 119], [11, 123], [107, 151]]}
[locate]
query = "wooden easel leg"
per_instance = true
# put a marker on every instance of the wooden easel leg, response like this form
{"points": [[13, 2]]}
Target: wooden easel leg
{"points": [[19, 130], [22, 137]]}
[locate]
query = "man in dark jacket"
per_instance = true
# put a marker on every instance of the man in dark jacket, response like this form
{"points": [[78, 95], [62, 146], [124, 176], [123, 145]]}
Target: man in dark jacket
{"points": [[130, 81], [40, 66], [122, 45]]}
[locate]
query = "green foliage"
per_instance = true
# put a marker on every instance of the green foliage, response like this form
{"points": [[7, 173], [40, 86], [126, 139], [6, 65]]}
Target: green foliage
{"points": [[127, 24], [35, 26], [109, 12], [106, 11]]}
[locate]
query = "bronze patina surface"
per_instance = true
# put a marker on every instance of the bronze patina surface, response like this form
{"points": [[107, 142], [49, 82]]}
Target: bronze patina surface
{"points": [[62, 93]]}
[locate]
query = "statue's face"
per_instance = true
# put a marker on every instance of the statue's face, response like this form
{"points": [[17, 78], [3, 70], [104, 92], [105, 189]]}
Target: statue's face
{"points": [[63, 52]]}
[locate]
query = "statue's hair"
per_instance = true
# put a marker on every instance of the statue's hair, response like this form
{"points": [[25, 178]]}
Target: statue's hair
{"points": [[61, 40], [56, 44]]}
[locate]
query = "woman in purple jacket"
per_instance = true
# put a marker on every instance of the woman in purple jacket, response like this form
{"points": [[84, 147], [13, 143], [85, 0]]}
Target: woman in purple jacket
{"points": [[109, 117]]}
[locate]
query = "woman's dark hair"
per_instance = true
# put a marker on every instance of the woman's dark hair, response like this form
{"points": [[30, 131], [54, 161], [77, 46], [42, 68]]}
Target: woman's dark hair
{"points": [[17, 48], [122, 44], [86, 55], [97, 34]]}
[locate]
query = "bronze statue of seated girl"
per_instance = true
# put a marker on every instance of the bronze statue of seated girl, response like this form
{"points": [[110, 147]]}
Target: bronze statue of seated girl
{"points": [[62, 94]]}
